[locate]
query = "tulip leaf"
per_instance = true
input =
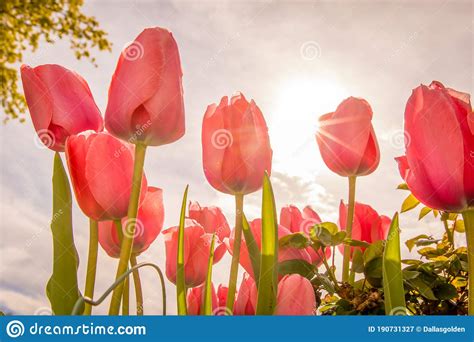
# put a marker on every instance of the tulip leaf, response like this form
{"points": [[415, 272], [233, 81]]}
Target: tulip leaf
{"points": [[394, 292], [252, 247], [62, 288], [298, 266], [423, 212], [267, 287], [180, 279], [207, 306], [294, 240], [409, 203]]}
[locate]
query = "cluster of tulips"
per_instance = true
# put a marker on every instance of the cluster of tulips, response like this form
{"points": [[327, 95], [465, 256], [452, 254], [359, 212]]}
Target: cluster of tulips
{"points": [[146, 108]]}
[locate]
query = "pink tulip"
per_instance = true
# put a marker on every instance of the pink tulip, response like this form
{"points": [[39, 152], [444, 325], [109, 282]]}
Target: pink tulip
{"points": [[438, 167], [368, 225], [295, 296], [284, 254], [60, 103], [148, 225], [235, 146], [146, 95], [195, 300], [213, 221], [246, 302], [222, 292], [196, 253], [347, 139], [296, 221], [101, 169]]}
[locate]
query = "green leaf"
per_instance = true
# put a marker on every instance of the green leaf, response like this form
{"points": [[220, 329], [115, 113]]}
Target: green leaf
{"points": [[324, 282], [357, 261], [207, 305], [295, 240], [267, 288], [356, 243], [375, 250], [180, 279], [394, 293], [409, 203], [445, 291], [373, 272], [424, 289], [327, 233], [423, 212], [252, 247], [298, 266], [62, 288], [413, 241], [402, 186], [459, 226]]}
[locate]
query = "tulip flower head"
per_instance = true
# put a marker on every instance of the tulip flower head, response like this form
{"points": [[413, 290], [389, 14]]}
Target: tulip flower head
{"points": [[295, 296], [368, 225], [235, 146], [347, 139], [60, 104], [149, 223], [213, 221], [195, 300], [101, 169], [196, 253], [439, 163], [246, 302], [146, 95]]}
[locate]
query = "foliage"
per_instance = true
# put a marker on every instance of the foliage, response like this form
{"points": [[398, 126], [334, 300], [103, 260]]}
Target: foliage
{"points": [[26, 23]]}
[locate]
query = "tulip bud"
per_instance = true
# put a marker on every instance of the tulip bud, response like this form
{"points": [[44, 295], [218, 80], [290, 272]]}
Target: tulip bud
{"points": [[295, 296], [146, 95], [60, 104], [235, 146], [101, 170], [347, 139], [246, 302], [147, 226]]}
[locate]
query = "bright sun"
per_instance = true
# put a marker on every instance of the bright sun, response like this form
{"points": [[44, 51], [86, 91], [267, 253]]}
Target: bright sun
{"points": [[294, 121]]}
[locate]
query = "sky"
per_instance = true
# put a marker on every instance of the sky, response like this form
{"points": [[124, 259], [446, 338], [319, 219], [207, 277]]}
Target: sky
{"points": [[297, 60]]}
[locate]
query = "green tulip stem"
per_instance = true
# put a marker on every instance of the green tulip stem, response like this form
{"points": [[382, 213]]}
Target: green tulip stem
{"points": [[138, 286], [126, 297], [127, 241], [350, 219], [91, 264], [468, 216], [234, 267]]}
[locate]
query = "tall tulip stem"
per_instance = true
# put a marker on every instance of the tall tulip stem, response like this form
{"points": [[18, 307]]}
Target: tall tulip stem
{"points": [[234, 268], [91, 264], [350, 219], [127, 241], [138, 286], [468, 216]]}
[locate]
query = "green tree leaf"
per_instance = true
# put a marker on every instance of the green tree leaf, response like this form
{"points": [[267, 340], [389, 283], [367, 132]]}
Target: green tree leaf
{"points": [[62, 288], [409, 203], [394, 292], [267, 288]]}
